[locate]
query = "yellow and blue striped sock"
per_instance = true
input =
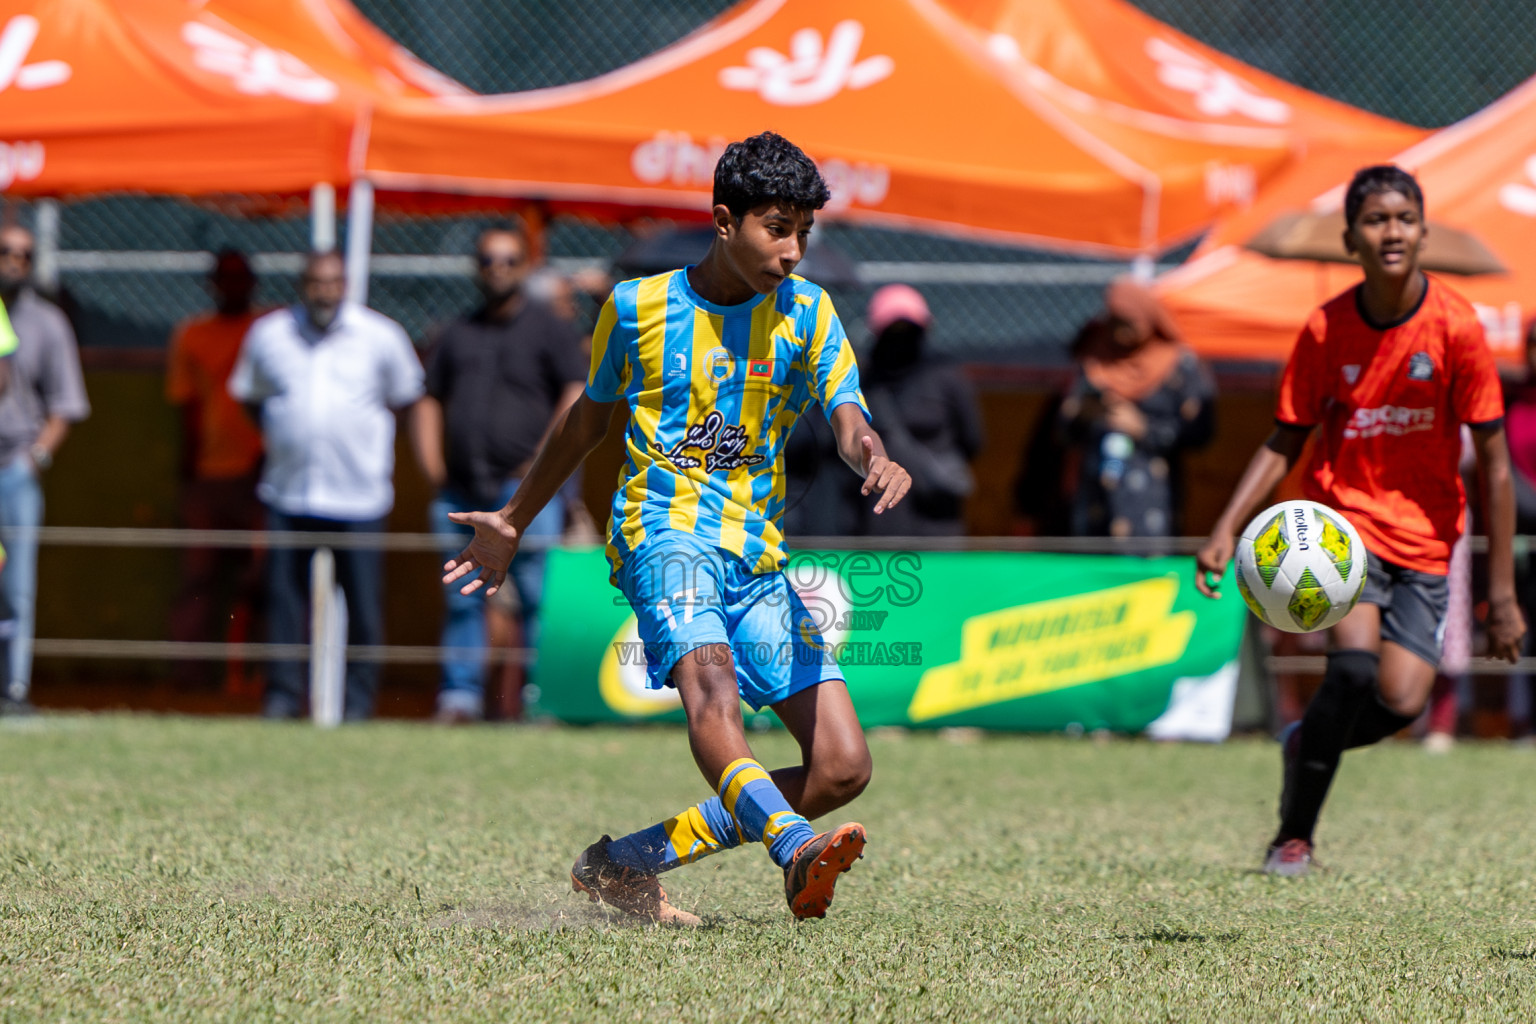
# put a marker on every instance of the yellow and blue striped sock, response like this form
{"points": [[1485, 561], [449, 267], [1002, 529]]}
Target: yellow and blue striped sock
{"points": [[760, 810], [693, 834]]}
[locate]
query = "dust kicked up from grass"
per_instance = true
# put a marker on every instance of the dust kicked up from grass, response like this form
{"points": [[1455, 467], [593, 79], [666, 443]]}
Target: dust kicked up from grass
{"points": [[171, 869]]}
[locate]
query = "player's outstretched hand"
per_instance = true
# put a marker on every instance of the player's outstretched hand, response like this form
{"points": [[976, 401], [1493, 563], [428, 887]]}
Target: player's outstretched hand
{"points": [[1211, 564], [1506, 629], [883, 477], [489, 553]]}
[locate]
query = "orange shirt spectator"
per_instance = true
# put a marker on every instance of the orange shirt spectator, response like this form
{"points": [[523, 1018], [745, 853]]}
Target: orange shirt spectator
{"points": [[221, 594], [224, 443]]}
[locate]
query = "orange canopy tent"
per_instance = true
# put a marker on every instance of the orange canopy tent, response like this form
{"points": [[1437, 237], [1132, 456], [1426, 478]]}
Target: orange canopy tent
{"points": [[199, 97], [1478, 175], [1077, 123], [259, 96]]}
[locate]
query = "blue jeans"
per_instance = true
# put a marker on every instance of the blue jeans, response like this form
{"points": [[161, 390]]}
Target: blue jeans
{"points": [[360, 575], [21, 506], [464, 617]]}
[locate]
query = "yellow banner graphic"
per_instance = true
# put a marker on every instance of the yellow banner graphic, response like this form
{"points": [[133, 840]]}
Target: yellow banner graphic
{"points": [[1051, 645]]}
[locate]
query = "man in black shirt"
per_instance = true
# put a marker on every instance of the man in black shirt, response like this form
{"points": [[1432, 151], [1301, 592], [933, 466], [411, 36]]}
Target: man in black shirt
{"points": [[496, 382]]}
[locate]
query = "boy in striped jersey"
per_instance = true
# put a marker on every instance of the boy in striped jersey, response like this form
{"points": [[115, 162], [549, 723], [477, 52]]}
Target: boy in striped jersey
{"points": [[715, 363]]}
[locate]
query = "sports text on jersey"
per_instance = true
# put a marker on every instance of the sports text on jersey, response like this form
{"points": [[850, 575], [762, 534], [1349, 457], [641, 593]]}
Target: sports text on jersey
{"points": [[1388, 419]]}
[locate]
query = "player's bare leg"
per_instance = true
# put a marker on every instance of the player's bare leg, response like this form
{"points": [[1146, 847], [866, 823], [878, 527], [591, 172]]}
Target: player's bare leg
{"points": [[749, 805], [835, 763], [706, 681], [623, 873], [835, 767]]}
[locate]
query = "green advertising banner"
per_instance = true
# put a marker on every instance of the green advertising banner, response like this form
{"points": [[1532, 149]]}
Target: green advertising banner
{"points": [[1030, 642]]}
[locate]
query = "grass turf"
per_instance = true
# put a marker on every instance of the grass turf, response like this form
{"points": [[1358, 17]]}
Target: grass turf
{"points": [[175, 869]]}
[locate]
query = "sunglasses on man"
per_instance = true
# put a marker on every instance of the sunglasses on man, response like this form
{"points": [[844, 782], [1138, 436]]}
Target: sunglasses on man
{"points": [[487, 261], [24, 254]]}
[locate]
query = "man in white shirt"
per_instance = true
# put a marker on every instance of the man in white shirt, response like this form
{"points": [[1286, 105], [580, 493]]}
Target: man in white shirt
{"points": [[325, 379]]}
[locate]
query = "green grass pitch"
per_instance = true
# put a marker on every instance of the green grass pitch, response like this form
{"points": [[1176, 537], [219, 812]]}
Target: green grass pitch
{"points": [[222, 870]]}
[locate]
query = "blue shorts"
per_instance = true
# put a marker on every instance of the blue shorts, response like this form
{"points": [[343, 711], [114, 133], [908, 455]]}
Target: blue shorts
{"points": [[688, 594]]}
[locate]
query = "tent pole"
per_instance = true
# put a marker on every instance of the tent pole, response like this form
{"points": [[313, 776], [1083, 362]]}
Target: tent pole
{"points": [[322, 217], [359, 239], [46, 243]]}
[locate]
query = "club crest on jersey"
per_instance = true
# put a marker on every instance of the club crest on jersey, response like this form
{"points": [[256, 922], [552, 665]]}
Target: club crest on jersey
{"points": [[1421, 367], [720, 366], [1351, 372], [720, 445]]}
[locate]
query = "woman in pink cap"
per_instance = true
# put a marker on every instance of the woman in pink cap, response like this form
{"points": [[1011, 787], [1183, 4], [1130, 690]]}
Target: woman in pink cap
{"points": [[927, 412]]}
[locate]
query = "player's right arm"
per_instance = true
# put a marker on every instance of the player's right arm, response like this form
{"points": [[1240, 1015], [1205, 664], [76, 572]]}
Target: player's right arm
{"points": [[1267, 468], [571, 438], [575, 434], [1302, 400]]}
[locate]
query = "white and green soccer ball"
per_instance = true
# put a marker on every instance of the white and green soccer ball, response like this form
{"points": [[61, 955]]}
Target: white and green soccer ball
{"points": [[1300, 566]]}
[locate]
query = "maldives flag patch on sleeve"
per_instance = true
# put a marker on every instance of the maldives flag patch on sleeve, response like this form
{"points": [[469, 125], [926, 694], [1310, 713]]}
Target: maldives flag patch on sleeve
{"points": [[759, 368]]}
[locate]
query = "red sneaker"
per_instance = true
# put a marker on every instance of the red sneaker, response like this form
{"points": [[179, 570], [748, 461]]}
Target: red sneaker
{"points": [[1289, 859], [809, 879]]}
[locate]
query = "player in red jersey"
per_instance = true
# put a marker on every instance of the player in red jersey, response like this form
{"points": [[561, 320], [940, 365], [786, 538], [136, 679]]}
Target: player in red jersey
{"points": [[1387, 373]]}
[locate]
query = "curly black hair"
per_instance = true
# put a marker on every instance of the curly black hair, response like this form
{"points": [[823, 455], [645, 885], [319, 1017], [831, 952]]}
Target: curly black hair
{"points": [[1368, 181], [767, 168]]}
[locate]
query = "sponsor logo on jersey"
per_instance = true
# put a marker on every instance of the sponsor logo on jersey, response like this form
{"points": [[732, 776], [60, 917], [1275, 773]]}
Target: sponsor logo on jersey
{"points": [[720, 445], [1421, 367], [1351, 372], [1389, 419]]}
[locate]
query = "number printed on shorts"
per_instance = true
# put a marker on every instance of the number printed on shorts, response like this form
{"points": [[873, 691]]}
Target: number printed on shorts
{"points": [[686, 598]]}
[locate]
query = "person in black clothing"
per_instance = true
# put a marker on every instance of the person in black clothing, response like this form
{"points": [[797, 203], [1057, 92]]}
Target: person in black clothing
{"points": [[820, 498], [928, 416], [496, 382]]}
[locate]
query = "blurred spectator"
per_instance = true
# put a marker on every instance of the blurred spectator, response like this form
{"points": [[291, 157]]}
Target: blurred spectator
{"points": [[324, 378], [821, 498], [927, 414], [1140, 399], [1520, 428], [496, 381], [1452, 682], [219, 466], [45, 395], [559, 291]]}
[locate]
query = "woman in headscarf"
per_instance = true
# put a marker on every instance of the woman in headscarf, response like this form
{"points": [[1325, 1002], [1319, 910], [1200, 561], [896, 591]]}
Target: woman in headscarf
{"points": [[928, 414], [1140, 399]]}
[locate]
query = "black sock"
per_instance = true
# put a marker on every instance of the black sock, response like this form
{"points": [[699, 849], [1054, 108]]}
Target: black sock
{"points": [[1348, 686], [1376, 723]]}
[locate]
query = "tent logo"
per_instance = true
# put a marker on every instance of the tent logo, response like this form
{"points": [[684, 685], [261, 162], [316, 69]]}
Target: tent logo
{"points": [[20, 161], [1518, 196], [675, 158], [812, 72], [256, 70], [1217, 92], [15, 44]]}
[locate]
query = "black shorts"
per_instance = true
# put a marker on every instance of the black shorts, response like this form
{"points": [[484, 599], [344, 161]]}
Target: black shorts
{"points": [[1412, 604]]}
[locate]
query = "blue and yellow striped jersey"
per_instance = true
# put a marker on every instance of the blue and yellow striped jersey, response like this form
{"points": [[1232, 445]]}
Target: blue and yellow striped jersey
{"points": [[713, 392]]}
